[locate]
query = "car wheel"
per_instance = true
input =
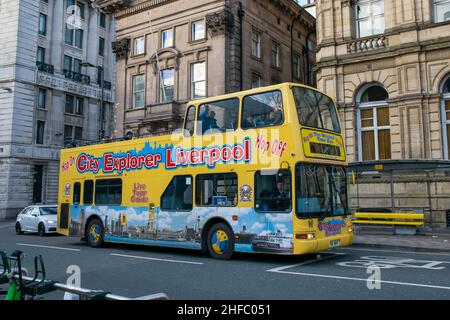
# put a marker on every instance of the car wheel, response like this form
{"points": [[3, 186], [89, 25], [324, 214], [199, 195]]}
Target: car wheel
{"points": [[41, 230], [94, 233], [18, 228], [220, 241]]}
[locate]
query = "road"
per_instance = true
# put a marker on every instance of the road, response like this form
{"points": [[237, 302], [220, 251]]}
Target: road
{"points": [[135, 271]]}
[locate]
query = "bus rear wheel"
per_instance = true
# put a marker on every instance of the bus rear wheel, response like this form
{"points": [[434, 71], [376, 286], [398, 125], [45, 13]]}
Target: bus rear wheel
{"points": [[220, 241], [94, 233]]}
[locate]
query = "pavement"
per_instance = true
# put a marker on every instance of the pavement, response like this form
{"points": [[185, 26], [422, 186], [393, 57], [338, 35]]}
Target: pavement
{"points": [[428, 239]]}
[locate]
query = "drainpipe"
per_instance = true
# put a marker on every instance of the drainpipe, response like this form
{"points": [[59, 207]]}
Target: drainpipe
{"points": [[241, 14], [308, 68], [296, 18]]}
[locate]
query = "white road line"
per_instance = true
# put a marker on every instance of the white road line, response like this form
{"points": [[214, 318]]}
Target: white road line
{"points": [[281, 270], [330, 255], [396, 251], [156, 259], [47, 247]]}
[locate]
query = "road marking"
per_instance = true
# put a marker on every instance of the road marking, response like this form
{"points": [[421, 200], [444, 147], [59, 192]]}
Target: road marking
{"points": [[327, 257], [281, 270], [396, 251], [47, 247], [156, 259]]}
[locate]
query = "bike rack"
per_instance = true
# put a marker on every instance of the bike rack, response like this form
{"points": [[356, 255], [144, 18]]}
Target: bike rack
{"points": [[35, 286]]}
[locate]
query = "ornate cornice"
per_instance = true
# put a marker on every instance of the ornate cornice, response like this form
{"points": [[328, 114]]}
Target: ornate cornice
{"points": [[221, 22], [122, 8], [121, 47]]}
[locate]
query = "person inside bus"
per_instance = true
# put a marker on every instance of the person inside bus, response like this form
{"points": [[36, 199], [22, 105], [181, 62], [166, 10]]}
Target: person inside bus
{"points": [[248, 122], [208, 120], [274, 118], [280, 198]]}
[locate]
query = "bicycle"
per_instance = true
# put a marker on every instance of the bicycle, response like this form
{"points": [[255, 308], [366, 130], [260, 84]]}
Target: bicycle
{"points": [[14, 274]]}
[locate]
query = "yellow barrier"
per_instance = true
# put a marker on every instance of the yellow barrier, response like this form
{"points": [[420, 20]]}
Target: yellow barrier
{"points": [[397, 218]]}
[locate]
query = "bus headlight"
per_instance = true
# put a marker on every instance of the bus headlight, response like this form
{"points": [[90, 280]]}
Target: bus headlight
{"points": [[305, 236]]}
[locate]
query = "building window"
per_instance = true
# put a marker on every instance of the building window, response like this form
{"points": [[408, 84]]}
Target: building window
{"points": [[369, 17], [256, 81], [42, 24], [256, 44], [40, 55], [101, 46], [102, 21], [139, 46], [138, 91], [198, 30], [276, 55], [374, 134], [72, 133], [72, 64], [42, 93], [40, 129], [74, 105], [167, 38], [296, 66], [76, 7], [445, 90], [441, 10], [74, 36], [216, 190], [198, 80], [167, 85]]}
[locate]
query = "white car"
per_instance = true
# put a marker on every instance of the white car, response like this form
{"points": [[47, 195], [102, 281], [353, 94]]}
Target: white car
{"points": [[40, 219]]}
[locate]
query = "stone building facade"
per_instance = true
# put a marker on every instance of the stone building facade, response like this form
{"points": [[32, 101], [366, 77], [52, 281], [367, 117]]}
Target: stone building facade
{"points": [[387, 65], [170, 52], [47, 97]]}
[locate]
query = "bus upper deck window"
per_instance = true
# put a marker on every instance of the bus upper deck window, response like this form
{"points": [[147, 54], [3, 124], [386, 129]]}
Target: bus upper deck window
{"points": [[190, 121], [218, 117], [262, 110]]}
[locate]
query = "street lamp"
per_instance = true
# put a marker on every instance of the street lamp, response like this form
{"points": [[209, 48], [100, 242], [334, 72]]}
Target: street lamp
{"points": [[101, 134]]}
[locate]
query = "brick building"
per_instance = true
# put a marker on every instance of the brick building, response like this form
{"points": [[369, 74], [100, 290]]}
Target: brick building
{"points": [[202, 48], [387, 65]]}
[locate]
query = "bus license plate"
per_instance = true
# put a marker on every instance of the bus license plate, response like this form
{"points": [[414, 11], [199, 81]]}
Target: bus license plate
{"points": [[335, 243]]}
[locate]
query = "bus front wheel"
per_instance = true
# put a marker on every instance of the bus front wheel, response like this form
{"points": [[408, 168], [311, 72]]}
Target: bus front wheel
{"points": [[220, 241], [94, 233]]}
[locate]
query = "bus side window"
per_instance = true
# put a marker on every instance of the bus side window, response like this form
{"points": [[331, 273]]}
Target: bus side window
{"points": [[262, 110], [218, 117], [76, 193], [190, 122], [273, 191], [178, 195], [216, 190], [88, 193], [108, 192]]}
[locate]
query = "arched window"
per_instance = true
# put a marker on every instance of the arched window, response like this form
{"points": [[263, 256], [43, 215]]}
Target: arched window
{"points": [[374, 131], [445, 107], [369, 17]]}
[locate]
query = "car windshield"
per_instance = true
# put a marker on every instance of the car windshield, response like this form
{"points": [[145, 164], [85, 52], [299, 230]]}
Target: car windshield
{"points": [[321, 190], [46, 211], [316, 110]]}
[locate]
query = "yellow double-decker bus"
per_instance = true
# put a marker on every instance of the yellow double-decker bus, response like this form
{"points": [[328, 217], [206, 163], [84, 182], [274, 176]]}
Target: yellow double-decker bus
{"points": [[260, 171]]}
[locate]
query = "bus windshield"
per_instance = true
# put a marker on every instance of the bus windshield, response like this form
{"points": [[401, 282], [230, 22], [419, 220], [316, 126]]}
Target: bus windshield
{"points": [[321, 190], [315, 110]]}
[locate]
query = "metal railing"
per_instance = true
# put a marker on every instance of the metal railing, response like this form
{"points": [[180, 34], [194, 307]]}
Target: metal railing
{"points": [[45, 67], [78, 77]]}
